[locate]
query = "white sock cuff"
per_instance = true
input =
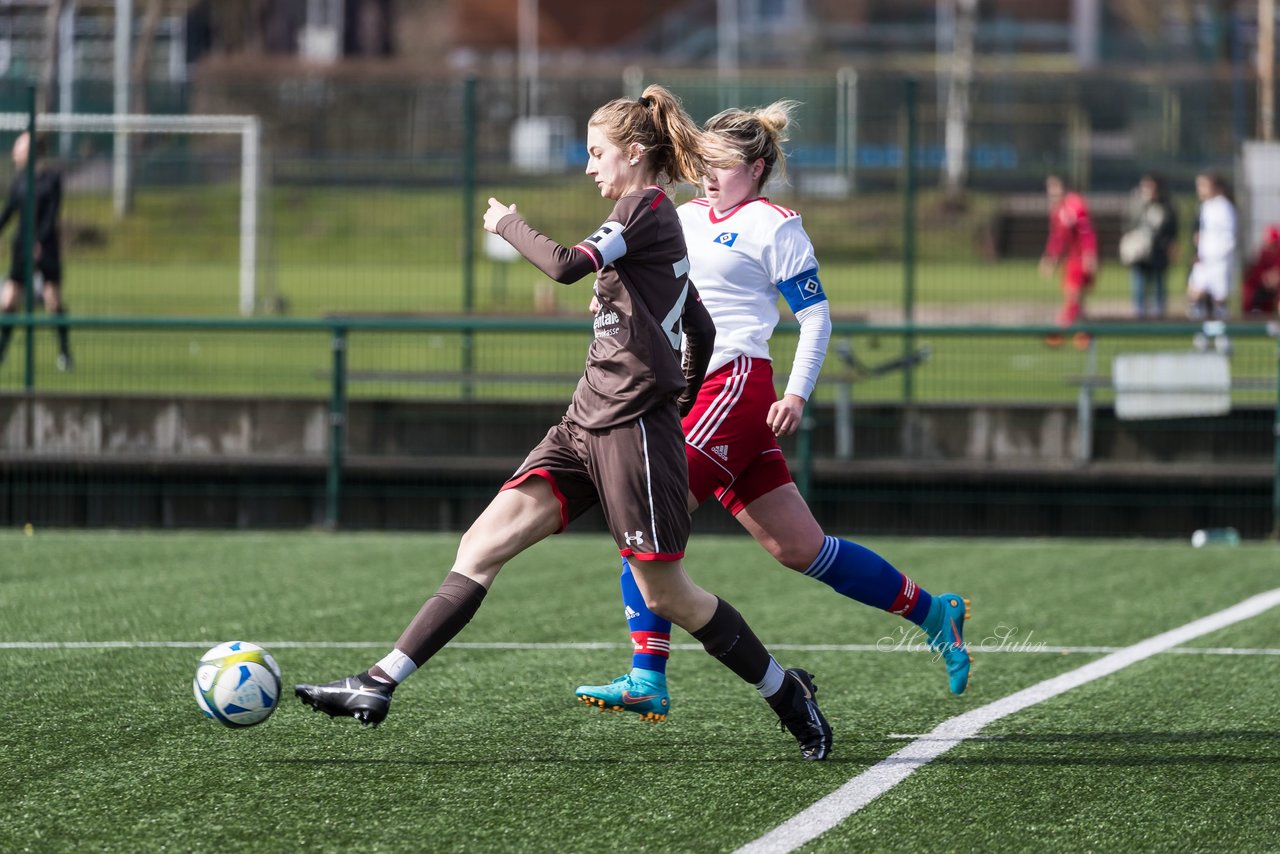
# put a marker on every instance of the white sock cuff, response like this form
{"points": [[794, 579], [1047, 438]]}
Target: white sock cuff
{"points": [[772, 681], [826, 556], [397, 665]]}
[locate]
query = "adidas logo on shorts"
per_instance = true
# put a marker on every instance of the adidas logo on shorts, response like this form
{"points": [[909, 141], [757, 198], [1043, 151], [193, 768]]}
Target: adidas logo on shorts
{"points": [[721, 451]]}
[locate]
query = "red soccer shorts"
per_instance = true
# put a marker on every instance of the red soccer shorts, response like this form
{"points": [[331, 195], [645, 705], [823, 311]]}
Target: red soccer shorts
{"points": [[732, 452]]}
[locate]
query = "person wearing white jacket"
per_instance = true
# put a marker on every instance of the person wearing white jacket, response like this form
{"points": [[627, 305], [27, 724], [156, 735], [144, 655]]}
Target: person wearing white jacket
{"points": [[1209, 284]]}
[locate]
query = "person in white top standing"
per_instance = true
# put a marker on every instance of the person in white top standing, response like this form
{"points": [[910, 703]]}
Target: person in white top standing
{"points": [[1210, 280], [1209, 284], [745, 252]]}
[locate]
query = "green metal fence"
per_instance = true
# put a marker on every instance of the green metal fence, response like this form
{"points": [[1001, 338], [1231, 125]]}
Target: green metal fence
{"points": [[402, 361], [379, 213], [412, 422]]}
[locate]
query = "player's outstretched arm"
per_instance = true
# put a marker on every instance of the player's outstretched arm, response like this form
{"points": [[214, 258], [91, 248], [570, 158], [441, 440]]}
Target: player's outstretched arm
{"points": [[561, 263]]}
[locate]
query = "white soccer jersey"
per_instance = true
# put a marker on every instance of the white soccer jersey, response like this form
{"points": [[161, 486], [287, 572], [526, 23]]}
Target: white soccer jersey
{"points": [[1214, 268], [741, 262], [1217, 241]]}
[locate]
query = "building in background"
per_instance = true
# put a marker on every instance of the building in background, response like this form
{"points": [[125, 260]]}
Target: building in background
{"points": [[50, 40], [1099, 88]]}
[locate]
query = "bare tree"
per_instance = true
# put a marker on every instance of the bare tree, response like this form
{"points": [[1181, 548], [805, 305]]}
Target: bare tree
{"points": [[48, 70], [1146, 18], [151, 16], [956, 173], [237, 26]]}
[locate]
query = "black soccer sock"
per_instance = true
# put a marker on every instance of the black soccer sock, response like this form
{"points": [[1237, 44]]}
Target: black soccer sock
{"points": [[728, 637], [6, 332], [441, 617], [782, 698], [371, 681], [64, 334]]}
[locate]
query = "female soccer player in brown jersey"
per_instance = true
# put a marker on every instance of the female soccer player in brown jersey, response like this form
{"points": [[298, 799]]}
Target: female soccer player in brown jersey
{"points": [[620, 444]]}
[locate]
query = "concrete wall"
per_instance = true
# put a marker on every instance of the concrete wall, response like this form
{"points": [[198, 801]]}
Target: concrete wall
{"points": [[125, 461], [297, 429], [109, 426]]}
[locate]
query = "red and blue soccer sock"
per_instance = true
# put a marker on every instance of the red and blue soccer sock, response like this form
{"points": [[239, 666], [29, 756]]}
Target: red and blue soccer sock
{"points": [[650, 634], [861, 574]]}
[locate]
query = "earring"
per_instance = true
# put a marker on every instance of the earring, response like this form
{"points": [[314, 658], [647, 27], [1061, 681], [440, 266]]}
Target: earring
{"points": [[635, 161]]}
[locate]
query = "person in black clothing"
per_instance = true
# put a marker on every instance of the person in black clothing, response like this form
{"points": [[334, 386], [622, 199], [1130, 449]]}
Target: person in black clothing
{"points": [[48, 255]]}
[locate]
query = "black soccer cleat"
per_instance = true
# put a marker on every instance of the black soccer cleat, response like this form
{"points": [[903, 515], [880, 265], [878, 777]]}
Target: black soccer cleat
{"points": [[348, 697], [803, 719]]}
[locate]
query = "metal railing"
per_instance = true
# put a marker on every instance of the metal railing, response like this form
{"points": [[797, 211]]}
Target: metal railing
{"points": [[466, 379]]}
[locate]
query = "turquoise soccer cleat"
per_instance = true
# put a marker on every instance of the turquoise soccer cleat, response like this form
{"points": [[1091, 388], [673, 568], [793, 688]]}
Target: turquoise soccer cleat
{"points": [[945, 629], [643, 692]]}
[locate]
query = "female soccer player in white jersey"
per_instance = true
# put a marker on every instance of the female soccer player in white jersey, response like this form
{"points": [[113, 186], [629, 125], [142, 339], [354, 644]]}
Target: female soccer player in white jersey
{"points": [[744, 253], [620, 444]]}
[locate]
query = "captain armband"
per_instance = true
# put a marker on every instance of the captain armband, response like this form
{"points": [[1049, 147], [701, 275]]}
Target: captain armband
{"points": [[802, 291]]}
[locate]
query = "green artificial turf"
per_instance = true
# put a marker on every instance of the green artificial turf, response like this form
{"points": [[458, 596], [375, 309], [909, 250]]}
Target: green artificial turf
{"points": [[486, 749]]}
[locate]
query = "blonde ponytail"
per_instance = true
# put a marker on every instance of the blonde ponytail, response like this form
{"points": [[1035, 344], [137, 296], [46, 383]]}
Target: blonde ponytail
{"points": [[745, 136]]}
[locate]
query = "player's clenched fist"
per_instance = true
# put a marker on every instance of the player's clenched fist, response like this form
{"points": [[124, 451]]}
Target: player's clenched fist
{"points": [[497, 210], [785, 415]]}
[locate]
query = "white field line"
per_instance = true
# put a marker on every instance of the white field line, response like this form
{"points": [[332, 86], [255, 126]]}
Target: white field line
{"points": [[861, 790], [978, 648]]}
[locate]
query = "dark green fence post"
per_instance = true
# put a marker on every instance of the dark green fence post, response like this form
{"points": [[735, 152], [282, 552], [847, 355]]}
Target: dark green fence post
{"points": [[337, 427], [469, 226], [909, 239], [28, 243], [804, 455], [1275, 481]]}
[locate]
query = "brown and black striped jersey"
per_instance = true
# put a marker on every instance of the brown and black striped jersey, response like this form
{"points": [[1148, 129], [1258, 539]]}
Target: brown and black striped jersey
{"points": [[646, 303]]}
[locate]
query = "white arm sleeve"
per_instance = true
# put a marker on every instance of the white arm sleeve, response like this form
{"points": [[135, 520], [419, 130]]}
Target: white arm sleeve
{"points": [[790, 260], [811, 349]]}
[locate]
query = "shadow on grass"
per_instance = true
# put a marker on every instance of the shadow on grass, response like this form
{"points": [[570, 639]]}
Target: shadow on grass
{"points": [[856, 757], [1111, 749], [1185, 737], [735, 761]]}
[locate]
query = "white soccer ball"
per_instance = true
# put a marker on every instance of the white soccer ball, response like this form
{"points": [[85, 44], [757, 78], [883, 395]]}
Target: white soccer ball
{"points": [[237, 684]]}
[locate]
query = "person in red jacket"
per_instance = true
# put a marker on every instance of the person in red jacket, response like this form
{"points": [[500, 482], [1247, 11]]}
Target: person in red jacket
{"points": [[1261, 291], [1073, 243]]}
